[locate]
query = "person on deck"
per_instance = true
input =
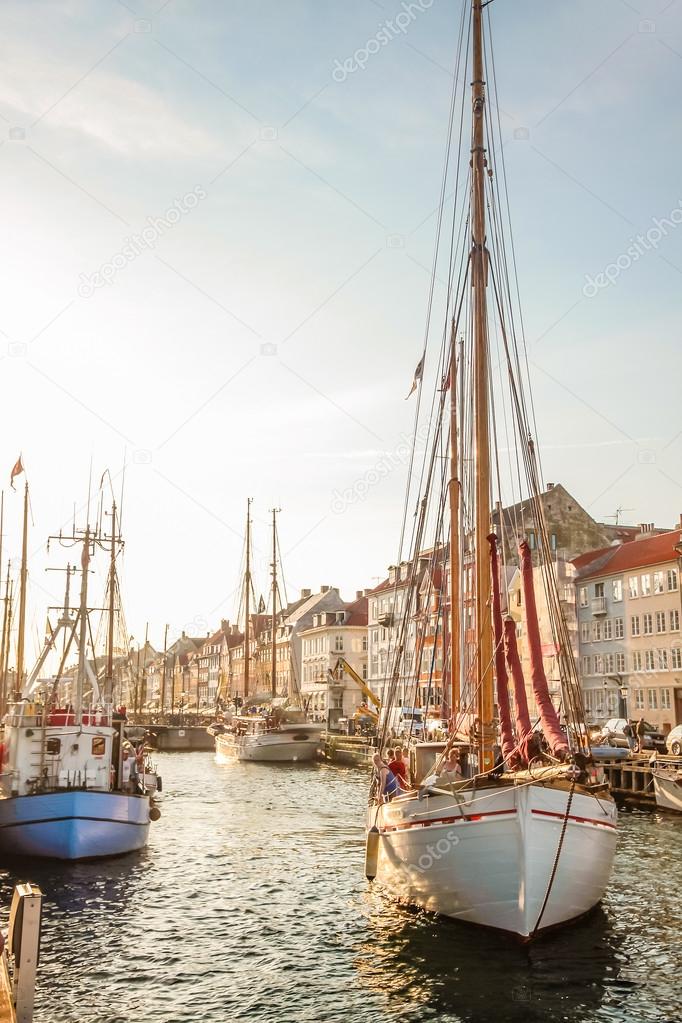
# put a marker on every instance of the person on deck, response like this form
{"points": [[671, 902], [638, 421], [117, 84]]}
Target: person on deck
{"points": [[386, 782], [399, 768], [451, 768]]}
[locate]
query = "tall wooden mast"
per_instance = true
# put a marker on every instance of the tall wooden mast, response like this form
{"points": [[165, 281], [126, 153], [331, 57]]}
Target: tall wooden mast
{"points": [[484, 673], [273, 670], [109, 681], [83, 624], [455, 568], [4, 646], [163, 673], [247, 595], [23, 579]]}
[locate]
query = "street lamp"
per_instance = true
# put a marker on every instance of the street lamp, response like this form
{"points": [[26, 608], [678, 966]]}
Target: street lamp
{"points": [[622, 694]]}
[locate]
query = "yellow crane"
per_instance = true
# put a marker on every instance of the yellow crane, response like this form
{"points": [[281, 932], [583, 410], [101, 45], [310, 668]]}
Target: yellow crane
{"points": [[343, 665]]}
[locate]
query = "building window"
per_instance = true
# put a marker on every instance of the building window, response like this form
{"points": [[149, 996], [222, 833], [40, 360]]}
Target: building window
{"points": [[619, 628], [652, 699], [648, 623], [553, 541], [658, 582], [596, 631], [599, 665], [660, 621], [338, 644], [662, 660], [676, 658], [675, 620], [634, 625], [646, 585], [620, 662], [599, 589], [617, 585], [633, 587], [665, 699], [364, 669], [639, 699], [531, 539], [637, 660], [608, 664], [584, 632], [586, 666], [672, 579], [583, 596], [608, 628], [649, 660]]}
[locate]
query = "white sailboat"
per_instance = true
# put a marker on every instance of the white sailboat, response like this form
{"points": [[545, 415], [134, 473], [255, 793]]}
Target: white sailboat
{"points": [[283, 735], [524, 838]]}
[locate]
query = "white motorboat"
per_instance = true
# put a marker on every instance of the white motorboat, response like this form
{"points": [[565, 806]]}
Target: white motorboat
{"points": [[288, 739], [668, 788]]}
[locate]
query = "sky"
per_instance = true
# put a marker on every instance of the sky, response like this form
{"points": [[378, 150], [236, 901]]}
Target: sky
{"points": [[218, 225]]}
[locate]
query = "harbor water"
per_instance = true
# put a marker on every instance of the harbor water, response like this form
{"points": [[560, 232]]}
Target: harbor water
{"points": [[250, 904]]}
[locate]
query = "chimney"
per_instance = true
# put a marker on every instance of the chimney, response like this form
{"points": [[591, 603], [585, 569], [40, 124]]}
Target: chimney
{"points": [[184, 634], [325, 589], [550, 486], [359, 594], [234, 630], [225, 624], [305, 594], [391, 573]]}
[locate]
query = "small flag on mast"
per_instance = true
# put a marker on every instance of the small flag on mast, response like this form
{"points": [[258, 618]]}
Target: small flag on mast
{"points": [[16, 471], [418, 373]]}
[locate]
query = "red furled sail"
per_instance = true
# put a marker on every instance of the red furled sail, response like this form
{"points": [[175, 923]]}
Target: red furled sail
{"points": [[524, 729], [548, 715], [501, 677]]}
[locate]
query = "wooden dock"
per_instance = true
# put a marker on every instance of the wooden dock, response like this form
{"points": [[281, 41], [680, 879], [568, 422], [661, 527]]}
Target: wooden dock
{"points": [[630, 779]]}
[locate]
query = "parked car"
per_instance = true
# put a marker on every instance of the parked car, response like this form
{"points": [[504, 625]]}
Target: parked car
{"points": [[673, 741], [653, 738]]}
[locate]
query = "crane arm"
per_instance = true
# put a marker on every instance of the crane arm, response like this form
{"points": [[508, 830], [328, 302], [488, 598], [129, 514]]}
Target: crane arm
{"points": [[360, 683]]}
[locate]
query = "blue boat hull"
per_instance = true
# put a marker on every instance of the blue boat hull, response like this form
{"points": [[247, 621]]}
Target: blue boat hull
{"points": [[73, 824]]}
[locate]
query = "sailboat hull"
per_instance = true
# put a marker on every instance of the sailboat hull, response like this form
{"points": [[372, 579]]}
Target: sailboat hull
{"points": [[73, 824], [487, 857], [270, 747]]}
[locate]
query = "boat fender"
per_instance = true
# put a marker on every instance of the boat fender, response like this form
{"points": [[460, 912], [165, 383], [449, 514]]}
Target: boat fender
{"points": [[154, 813], [372, 853], [159, 783]]}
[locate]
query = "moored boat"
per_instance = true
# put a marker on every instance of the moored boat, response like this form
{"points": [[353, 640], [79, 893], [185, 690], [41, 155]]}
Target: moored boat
{"points": [[69, 784], [512, 828], [668, 788], [287, 738]]}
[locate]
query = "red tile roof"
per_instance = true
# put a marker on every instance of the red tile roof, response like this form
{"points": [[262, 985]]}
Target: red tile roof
{"points": [[653, 550]]}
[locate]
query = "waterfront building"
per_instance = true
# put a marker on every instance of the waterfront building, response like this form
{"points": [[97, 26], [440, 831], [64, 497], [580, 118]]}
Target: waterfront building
{"points": [[336, 632], [628, 604]]}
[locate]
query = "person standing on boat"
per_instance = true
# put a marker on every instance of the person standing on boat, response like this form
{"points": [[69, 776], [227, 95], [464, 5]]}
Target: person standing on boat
{"points": [[386, 782], [399, 768], [451, 768]]}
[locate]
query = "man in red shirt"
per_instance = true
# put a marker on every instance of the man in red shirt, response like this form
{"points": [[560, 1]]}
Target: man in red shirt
{"points": [[399, 769]]}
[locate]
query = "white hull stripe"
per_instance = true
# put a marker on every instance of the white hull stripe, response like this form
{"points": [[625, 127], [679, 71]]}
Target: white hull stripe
{"points": [[576, 820], [458, 819]]}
